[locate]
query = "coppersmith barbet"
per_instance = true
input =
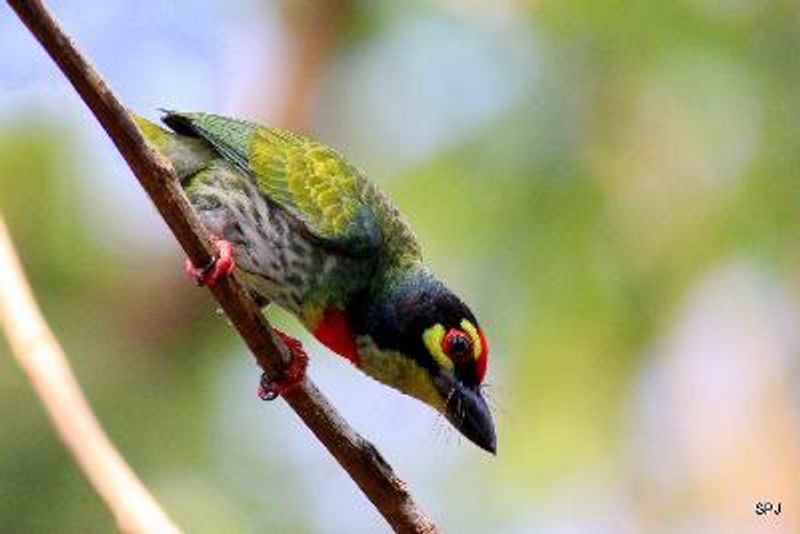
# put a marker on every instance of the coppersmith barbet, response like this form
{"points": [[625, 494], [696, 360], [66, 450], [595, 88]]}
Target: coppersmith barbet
{"points": [[309, 232]]}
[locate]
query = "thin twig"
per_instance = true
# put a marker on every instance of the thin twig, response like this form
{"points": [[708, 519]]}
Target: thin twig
{"points": [[356, 455], [38, 353]]}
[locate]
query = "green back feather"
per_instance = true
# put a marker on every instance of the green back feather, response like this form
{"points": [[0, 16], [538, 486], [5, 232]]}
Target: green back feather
{"points": [[188, 155], [313, 182]]}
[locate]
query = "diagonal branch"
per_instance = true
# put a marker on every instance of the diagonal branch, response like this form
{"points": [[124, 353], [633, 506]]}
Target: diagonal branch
{"points": [[38, 353], [356, 455]]}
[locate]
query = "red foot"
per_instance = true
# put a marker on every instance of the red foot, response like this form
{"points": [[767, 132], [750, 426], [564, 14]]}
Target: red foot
{"points": [[219, 267], [292, 374]]}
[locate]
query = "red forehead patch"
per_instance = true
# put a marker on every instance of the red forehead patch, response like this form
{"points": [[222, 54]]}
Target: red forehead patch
{"points": [[483, 358]]}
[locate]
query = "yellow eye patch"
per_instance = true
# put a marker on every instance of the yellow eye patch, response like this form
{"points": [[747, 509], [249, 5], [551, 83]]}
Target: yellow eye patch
{"points": [[470, 329], [432, 337]]}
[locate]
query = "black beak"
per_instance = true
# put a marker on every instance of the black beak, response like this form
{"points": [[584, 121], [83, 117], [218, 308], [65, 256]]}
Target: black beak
{"points": [[467, 411]]}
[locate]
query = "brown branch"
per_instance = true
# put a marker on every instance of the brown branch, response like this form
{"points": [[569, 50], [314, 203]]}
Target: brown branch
{"points": [[38, 353], [356, 455], [312, 38]]}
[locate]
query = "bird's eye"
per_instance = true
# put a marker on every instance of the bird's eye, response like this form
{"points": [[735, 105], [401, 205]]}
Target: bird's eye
{"points": [[458, 346]]}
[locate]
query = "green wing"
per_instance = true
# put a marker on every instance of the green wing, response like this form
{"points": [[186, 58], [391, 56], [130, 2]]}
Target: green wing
{"points": [[313, 182], [188, 155]]}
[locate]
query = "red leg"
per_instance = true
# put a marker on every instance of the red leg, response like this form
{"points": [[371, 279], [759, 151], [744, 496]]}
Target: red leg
{"points": [[221, 266], [292, 374]]}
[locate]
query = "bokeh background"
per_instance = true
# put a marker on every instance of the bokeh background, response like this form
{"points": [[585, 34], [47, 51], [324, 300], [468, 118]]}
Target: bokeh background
{"points": [[614, 187]]}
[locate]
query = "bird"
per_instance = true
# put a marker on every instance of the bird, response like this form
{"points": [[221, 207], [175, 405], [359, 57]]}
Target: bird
{"points": [[308, 231]]}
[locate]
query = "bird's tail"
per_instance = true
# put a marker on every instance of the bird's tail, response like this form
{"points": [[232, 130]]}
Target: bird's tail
{"points": [[188, 155]]}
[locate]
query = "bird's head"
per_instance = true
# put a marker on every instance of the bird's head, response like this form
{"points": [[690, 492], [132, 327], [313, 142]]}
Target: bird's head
{"points": [[424, 341]]}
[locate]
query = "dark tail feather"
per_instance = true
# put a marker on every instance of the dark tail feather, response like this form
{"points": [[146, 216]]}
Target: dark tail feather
{"points": [[179, 123]]}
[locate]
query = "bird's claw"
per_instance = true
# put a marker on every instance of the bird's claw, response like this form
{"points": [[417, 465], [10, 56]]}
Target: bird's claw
{"points": [[292, 374], [219, 267]]}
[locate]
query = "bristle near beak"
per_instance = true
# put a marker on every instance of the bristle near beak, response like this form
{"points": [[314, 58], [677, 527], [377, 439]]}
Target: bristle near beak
{"points": [[467, 410]]}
